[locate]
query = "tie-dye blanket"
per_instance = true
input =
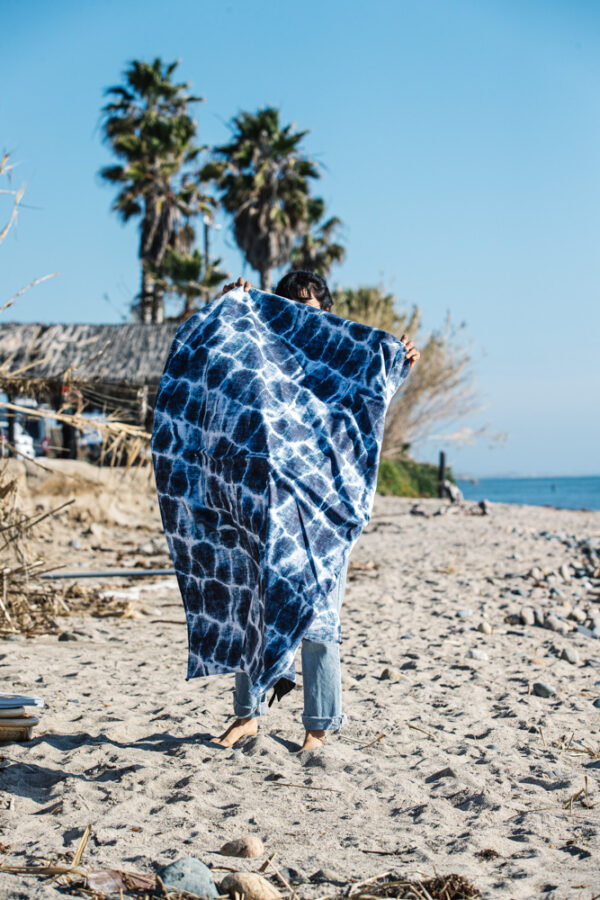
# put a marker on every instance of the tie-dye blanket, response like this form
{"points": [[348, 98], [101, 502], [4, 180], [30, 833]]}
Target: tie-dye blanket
{"points": [[266, 441]]}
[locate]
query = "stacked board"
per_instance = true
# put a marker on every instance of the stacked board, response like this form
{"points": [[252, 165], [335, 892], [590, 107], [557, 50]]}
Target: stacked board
{"points": [[17, 716]]}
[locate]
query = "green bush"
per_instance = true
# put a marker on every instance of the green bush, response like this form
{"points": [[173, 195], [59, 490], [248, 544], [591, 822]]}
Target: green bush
{"points": [[407, 478]]}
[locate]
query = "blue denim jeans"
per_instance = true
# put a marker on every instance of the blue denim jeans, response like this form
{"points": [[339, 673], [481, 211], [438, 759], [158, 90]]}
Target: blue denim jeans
{"points": [[321, 681]]}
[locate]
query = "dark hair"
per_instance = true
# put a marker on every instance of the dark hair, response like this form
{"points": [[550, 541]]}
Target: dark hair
{"points": [[299, 285]]}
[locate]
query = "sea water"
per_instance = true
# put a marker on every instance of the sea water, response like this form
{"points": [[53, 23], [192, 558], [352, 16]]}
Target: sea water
{"points": [[568, 493]]}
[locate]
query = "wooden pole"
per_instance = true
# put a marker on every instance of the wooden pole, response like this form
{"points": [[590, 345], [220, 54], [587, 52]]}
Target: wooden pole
{"points": [[10, 415], [70, 434], [143, 407], [206, 289], [206, 242], [442, 475]]}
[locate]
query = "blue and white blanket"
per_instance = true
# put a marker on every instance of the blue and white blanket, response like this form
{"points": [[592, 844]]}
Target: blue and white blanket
{"points": [[266, 441]]}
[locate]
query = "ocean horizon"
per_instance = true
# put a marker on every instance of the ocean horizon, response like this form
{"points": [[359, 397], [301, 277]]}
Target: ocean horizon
{"points": [[564, 492]]}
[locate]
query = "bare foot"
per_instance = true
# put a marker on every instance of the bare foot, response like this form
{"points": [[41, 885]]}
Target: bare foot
{"points": [[240, 728], [313, 740]]}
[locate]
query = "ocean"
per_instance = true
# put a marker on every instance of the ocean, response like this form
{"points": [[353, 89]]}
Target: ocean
{"points": [[567, 493]]}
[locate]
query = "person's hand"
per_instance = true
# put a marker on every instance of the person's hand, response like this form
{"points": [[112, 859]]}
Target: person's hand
{"points": [[234, 284], [412, 354]]}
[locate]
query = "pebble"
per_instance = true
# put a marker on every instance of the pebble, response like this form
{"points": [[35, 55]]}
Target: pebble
{"points": [[565, 571], [537, 573], [390, 673], [485, 627], [249, 885], [527, 615], [597, 703], [68, 636], [481, 655], [189, 874], [245, 847], [293, 876], [541, 689], [553, 623], [146, 549], [578, 614], [75, 544], [327, 876], [410, 664], [581, 629], [539, 616], [463, 613], [447, 772], [571, 655]]}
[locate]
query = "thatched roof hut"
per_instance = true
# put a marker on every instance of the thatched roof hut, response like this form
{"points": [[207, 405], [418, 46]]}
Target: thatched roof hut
{"points": [[112, 365], [131, 355]]}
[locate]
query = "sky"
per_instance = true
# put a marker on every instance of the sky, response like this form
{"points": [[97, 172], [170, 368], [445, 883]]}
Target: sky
{"points": [[459, 142]]}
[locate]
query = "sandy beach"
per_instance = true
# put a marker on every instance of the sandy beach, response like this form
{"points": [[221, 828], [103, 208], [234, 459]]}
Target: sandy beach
{"points": [[453, 760]]}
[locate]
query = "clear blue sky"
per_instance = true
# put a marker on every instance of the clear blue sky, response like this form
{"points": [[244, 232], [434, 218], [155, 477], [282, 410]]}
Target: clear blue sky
{"points": [[460, 142]]}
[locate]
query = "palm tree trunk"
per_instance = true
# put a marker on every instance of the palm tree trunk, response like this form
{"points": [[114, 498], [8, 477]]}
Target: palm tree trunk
{"points": [[266, 283], [158, 306], [188, 308], [146, 296]]}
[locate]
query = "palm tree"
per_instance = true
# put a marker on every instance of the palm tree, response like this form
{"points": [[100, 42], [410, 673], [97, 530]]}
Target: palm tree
{"points": [[147, 124], [317, 251], [187, 275], [263, 181]]}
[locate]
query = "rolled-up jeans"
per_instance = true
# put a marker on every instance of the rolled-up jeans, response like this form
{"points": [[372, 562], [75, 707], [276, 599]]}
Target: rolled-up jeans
{"points": [[321, 681]]}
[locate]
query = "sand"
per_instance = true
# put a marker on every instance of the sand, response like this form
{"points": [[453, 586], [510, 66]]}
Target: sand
{"points": [[451, 756]]}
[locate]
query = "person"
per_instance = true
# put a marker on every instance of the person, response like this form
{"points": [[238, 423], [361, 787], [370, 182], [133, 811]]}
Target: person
{"points": [[321, 674]]}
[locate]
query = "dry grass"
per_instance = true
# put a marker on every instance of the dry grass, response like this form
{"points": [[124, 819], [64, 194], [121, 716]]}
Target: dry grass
{"points": [[6, 168], [29, 604], [442, 887], [122, 442]]}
